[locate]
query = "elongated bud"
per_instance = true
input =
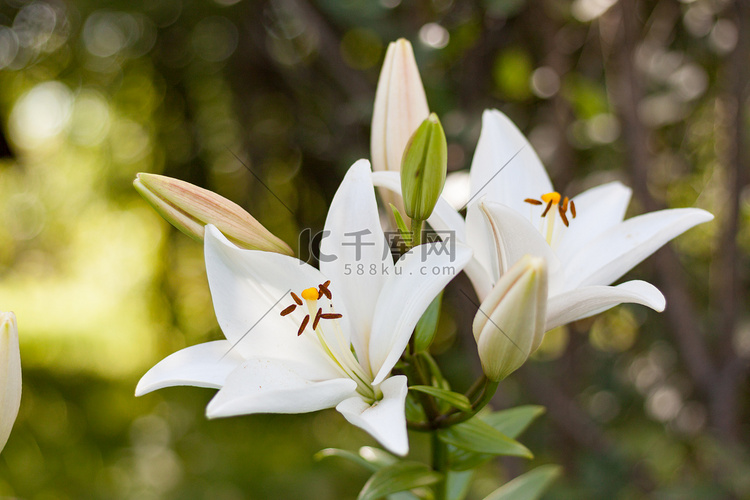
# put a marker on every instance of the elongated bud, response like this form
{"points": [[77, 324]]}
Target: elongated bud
{"points": [[400, 106], [510, 323], [10, 375], [189, 208], [424, 168]]}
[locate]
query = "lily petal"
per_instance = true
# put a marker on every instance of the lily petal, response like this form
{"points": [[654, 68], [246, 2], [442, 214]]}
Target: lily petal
{"points": [[589, 300], [514, 236], [385, 420], [202, 365], [505, 167], [444, 217], [10, 375], [249, 289], [353, 237], [274, 386], [598, 209], [625, 245], [480, 238], [419, 275]]}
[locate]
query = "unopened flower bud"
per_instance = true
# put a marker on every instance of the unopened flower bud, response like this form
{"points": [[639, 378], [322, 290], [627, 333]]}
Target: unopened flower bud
{"points": [[400, 106], [510, 323], [189, 208], [10, 375], [424, 168]]}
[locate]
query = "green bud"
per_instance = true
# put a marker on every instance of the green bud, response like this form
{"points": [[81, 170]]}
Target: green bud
{"points": [[510, 323], [189, 208], [423, 169]]}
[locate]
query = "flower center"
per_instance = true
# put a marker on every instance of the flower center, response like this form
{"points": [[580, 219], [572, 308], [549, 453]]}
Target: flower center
{"points": [[334, 344], [554, 198]]}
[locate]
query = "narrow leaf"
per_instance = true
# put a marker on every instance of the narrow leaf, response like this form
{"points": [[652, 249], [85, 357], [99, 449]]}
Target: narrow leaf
{"points": [[453, 398], [400, 476], [427, 325], [529, 486], [402, 227], [377, 457], [457, 484], [514, 421], [478, 436], [347, 455]]}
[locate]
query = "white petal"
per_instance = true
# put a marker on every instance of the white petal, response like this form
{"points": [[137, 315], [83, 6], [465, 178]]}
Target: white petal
{"points": [[457, 189], [275, 386], [353, 241], [480, 239], [514, 236], [497, 173], [249, 289], [589, 300], [202, 365], [597, 209], [419, 275], [623, 246], [444, 217], [10, 375], [386, 419]]}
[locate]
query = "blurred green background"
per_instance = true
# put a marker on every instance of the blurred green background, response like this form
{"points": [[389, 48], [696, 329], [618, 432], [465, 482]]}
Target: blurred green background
{"points": [[653, 93]]}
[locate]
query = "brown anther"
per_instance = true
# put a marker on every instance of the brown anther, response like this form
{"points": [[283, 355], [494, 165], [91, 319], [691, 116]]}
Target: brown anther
{"points": [[317, 318], [289, 310], [572, 209], [323, 290], [297, 299], [532, 201], [565, 204], [320, 293], [562, 216], [303, 325], [549, 205], [330, 316]]}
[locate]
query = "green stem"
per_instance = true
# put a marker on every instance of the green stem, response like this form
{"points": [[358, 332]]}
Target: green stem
{"points": [[484, 397], [439, 464], [416, 232], [414, 373]]}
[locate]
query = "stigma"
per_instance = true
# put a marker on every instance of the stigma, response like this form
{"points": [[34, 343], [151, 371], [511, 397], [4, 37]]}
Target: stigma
{"points": [[554, 198]]}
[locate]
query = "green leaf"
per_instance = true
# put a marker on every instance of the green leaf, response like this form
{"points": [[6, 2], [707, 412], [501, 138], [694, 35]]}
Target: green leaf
{"points": [[460, 460], [402, 227], [457, 484], [427, 325], [400, 476], [529, 486], [480, 437], [414, 411], [347, 455], [514, 421], [377, 457], [453, 398]]}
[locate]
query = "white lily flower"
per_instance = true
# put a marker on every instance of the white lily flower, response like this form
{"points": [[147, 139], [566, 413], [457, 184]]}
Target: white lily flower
{"points": [[10, 375], [513, 210], [300, 339]]}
